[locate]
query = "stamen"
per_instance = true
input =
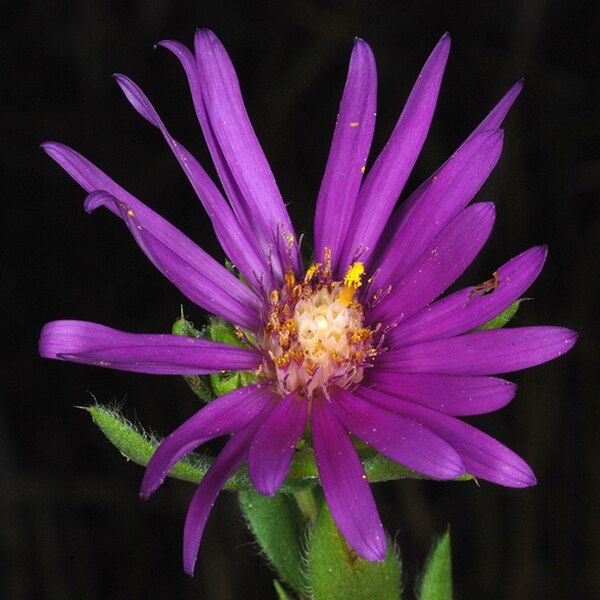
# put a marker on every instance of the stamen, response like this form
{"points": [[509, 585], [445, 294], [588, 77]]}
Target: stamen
{"points": [[352, 281], [314, 333]]}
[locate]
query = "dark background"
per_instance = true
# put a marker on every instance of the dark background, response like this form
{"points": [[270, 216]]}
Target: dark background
{"points": [[72, 526]]}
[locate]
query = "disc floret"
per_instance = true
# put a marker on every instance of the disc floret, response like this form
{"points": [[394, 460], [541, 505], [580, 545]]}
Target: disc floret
{"points": [[315, 336]]}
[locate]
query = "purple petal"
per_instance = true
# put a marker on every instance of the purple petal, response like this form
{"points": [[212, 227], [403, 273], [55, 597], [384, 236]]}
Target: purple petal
{"points": [[387, 177], [403, 440], [345, 485], [492, 122], [469, 308], [452, 188], [231, 235], [219, 291], [483, 352], [449, 394], [348, 154], [273, 446], [482, 455], [193, 276], [222, 416], [241, 209], [240, 147], [441, 264], [161, 354], [230, 458], [498, 113]]}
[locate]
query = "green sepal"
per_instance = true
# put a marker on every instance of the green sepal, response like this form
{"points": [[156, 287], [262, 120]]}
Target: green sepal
{"points": [[279, 528], [137, 446], [503, 318], [199, 384], [222, 383], [379, 468], [436, 581], [336, 572], [280, 591]]}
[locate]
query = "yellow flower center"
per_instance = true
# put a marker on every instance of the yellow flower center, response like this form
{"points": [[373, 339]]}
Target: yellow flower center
{"points": [[315, 335]]}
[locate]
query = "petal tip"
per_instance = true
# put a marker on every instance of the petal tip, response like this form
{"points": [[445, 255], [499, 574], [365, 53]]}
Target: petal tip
{"points": [[571, 338], [376, 551], [50, 147], [444, 43]]}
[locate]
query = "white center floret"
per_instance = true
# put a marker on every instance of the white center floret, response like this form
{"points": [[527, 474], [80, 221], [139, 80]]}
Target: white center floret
{"points": [[315, 335]]}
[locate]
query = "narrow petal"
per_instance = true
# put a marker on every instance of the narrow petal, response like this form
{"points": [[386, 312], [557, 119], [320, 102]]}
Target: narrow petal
{"points": [[454, 186], [219, 291], [481, 455], [163, 354], [471, 307], [387, 177], [239, 205], [222, 416], [491, 123], [446, 258], [494, 119], [230, 458], [194, 276], [345, 485], [403, 440], [483, 352], [232, 237], [449, 394], [273, 446], [237, 140], [348, 154]]}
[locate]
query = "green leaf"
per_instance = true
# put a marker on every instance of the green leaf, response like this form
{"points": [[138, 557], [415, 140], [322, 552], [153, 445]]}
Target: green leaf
{"points": [[281, 593], [436, 583], [137, 446], [503, 318], [337, 573], [199, 384], [379, 468], [279, 528]]}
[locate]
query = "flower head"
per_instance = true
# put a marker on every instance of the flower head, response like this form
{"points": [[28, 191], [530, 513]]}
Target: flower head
{"points": [[355, 342]]}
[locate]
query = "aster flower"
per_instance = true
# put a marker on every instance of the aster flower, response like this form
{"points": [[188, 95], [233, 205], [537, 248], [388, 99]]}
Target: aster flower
{"points": [[357, 342]]}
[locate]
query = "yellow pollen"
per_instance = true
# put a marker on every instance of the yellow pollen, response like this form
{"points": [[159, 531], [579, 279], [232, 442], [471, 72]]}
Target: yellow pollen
{"points": [[326, 270], [311, 271], [314, 333], [352, 281], [290, 279]]}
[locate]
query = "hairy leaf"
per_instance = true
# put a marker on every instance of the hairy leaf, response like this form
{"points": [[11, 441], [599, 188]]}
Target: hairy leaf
{"points": [[336, 572], [436, 582], [279, 528], [137, 446]]}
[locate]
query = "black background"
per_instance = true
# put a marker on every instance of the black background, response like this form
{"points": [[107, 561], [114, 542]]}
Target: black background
{"points": [[72, 526]]}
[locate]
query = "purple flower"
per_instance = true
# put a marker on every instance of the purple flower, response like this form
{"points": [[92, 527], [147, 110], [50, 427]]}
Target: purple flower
{"points": [[356, 342]]}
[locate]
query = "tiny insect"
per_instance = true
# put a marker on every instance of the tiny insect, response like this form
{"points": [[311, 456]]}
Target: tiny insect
{"points": [[487, 287]]}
